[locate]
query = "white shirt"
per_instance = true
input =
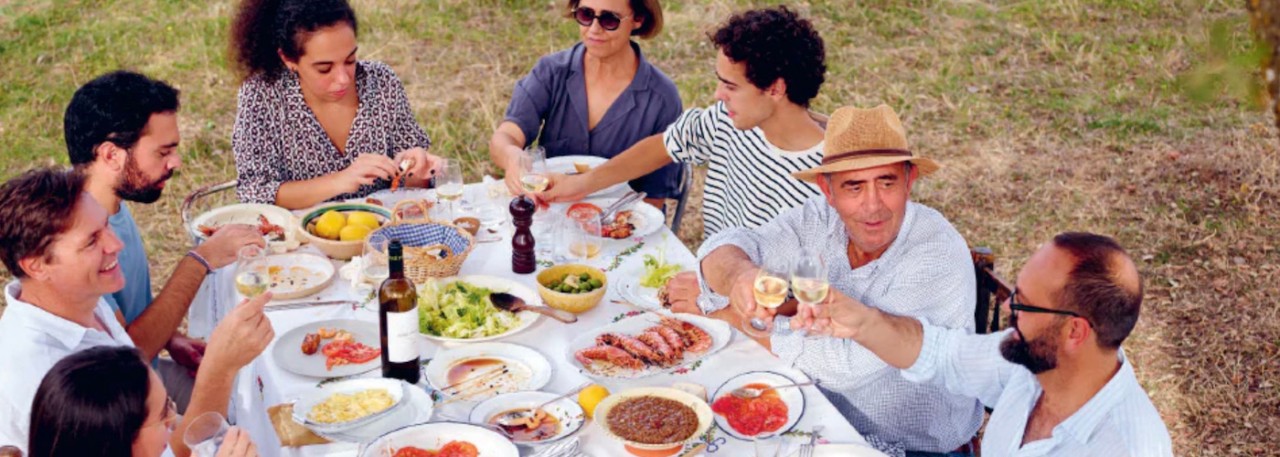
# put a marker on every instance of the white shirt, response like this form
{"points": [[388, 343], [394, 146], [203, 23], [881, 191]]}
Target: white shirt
{"points": [[1118, 421], [32, 340], [748, 178], [926, 272]]}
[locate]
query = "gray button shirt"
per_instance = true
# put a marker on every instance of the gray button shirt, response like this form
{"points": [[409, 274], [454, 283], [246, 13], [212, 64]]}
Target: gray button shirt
{"points": [[550, 104]]}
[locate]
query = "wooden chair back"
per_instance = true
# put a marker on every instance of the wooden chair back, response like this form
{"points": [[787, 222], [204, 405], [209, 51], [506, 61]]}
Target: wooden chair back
{"points": [[992, 290]]}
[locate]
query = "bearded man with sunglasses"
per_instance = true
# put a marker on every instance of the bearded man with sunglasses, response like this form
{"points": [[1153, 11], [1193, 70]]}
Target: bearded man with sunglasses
{"points": [[1058, 381]]}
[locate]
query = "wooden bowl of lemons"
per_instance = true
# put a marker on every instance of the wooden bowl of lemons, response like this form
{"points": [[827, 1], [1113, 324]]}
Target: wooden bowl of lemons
{"points": [[339, 229]]}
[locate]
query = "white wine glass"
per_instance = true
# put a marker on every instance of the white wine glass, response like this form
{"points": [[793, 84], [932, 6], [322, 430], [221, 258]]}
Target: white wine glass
{"points": [[809, 280], [449, 184], [769, 290], [533, 169], [252, 277]]}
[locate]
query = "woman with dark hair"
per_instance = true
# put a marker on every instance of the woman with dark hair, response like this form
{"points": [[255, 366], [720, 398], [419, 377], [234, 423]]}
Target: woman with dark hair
{"points": [[313, 123], [105, 401], [596, 98]]}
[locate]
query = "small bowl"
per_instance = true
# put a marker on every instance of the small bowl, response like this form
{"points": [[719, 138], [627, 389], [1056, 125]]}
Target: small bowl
{"points": [[566, 410], [574, 303], [700, 408], [340, 250]]}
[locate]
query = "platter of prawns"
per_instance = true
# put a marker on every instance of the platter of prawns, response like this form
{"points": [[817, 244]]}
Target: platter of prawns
{"points": [[647, 344]]}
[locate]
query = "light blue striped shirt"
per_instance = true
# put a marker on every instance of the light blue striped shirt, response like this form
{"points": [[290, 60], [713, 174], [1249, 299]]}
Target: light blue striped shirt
{"points": [[1118, 421]]}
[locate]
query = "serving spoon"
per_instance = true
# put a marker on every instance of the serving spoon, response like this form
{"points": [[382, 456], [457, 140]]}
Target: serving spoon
{"points": [[507, 302]]}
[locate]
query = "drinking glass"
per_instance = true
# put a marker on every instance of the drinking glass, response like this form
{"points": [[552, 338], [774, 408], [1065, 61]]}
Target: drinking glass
{"points": [[449, 184], [769, 291], [585, 242], [533, 169], [374, 259], [205, 433], [809, 280], [252, 278]]}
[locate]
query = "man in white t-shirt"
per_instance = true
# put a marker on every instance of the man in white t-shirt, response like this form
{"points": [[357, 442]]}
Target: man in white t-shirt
{"points": [[57, 242], [770, 65]]}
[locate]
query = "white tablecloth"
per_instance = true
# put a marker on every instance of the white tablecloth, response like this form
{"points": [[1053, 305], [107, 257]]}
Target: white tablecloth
{"points": [[265, 383]]}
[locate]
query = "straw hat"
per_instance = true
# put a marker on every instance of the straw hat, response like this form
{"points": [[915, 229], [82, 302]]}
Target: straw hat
{"points": [[859, 138]]}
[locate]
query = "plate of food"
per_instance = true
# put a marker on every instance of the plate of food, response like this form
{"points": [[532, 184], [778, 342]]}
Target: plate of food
{"points": [[458, 310], [637, 220], [576, 164], [418, 408], [628, 416], [772, 413], [350, 404], [388, 198], [646, 344], [480, 371], [439, 439], [276, 224], [647, 289], [329, 349], [296, 275], [514, 413]]}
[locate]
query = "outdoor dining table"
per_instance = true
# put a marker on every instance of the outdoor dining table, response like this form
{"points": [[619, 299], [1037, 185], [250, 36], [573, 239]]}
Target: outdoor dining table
{"points": [[264, 383]]}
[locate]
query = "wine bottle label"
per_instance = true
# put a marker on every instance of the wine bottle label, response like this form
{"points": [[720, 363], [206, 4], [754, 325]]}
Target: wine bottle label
{"points": [[402, 336]]}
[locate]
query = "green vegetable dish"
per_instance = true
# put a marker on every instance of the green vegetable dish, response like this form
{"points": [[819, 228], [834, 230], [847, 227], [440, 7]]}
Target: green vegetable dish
{"points": [[461, 310], [575, 284], [657, 271]]}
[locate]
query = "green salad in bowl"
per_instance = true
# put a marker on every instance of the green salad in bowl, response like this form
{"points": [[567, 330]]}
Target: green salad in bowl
{"points": [[462, 310]]}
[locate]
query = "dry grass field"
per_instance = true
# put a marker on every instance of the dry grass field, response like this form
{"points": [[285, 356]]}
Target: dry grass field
{"points": [[1049, 115]]}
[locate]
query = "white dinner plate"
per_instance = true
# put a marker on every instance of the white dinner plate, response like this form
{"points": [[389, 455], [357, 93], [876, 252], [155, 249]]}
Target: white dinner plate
{"points": [[646, 297], [417, 410], [434, 435], [288, 349], [793, 397], [297, 274], [719, 331], [564, 165], [565, 410], [646, 219], [495, 284], [527, 369], [244, 213], [389, 198]]}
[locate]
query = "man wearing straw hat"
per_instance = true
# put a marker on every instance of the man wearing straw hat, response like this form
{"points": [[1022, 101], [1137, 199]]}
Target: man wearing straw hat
{"points": [[878, 246]]}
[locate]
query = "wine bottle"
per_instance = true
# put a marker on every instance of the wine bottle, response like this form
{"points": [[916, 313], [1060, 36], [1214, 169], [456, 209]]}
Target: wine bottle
{"points": [[398, 320]]}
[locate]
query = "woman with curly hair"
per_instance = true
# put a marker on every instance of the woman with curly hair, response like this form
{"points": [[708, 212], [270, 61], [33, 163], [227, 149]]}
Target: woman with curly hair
{"points": [[596, 98], [313, 123]]}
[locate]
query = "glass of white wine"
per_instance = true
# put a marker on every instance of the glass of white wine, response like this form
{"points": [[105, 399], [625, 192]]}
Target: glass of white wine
{"points": [[809, 280], [533, 169], [449, 184], [769, 291], [252, 278]]}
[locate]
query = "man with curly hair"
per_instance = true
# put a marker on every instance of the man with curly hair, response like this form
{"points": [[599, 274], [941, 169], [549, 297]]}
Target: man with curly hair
{"points": [[770, 65]]}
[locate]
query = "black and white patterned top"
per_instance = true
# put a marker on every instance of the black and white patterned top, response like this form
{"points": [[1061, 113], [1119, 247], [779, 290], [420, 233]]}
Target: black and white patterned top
{"points": [[277, 138]]}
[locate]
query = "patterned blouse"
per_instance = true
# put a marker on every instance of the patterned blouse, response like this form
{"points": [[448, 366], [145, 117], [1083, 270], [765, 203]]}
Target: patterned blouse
{"points": [[277, 139]]}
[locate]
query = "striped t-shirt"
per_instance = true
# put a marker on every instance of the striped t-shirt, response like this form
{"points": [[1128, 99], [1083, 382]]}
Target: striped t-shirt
{"points": [[748, 179]]}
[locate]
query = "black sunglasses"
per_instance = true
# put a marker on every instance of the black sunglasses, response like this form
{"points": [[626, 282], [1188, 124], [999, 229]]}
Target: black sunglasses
{"points": [[609, 20]]}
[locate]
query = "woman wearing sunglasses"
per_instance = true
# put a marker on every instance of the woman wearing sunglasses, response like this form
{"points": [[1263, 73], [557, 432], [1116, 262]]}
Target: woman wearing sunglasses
{"points": [[313, 123], [76, 414], [596, 98]]}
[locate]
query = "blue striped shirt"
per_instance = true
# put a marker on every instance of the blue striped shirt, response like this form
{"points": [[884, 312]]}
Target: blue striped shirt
{"points": [[1118, 421]]}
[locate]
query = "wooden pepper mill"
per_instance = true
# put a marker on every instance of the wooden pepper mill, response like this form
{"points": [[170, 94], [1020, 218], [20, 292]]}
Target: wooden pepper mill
{"points": [[523, 257]]}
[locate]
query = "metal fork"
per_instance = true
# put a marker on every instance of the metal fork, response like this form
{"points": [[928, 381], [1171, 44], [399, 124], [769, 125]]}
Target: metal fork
{"points": [[806, 450]]}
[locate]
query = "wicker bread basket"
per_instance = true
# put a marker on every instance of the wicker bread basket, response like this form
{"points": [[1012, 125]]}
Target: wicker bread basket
{"points": [[432, 249]]}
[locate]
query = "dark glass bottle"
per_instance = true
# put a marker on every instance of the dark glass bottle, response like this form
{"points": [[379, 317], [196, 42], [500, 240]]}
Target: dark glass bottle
{"points": [[398, 320], [523, 258]]}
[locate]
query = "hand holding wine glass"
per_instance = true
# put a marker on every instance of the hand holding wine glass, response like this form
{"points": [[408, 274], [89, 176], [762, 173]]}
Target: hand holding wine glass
{"points": [[768, 290], [251, 271], [809, 280], [533, 170]]}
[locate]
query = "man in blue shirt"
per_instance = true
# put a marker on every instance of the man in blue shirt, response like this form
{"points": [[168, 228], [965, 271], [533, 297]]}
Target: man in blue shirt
{"points": [[121, 131]]}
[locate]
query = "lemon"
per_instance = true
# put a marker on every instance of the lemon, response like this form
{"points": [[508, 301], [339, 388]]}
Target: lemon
{"points": [[329, 225], [353, 232], [366, 219], [590, 397]]}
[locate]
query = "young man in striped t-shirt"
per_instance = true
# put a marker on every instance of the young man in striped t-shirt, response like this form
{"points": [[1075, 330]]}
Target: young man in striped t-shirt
{"points": [[770, 65]]}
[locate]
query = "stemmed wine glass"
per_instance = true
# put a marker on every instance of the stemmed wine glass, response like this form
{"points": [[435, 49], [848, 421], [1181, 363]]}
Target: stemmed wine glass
{"points": [[533, 169], [449, 183], [809, 281], [769, 290]]}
